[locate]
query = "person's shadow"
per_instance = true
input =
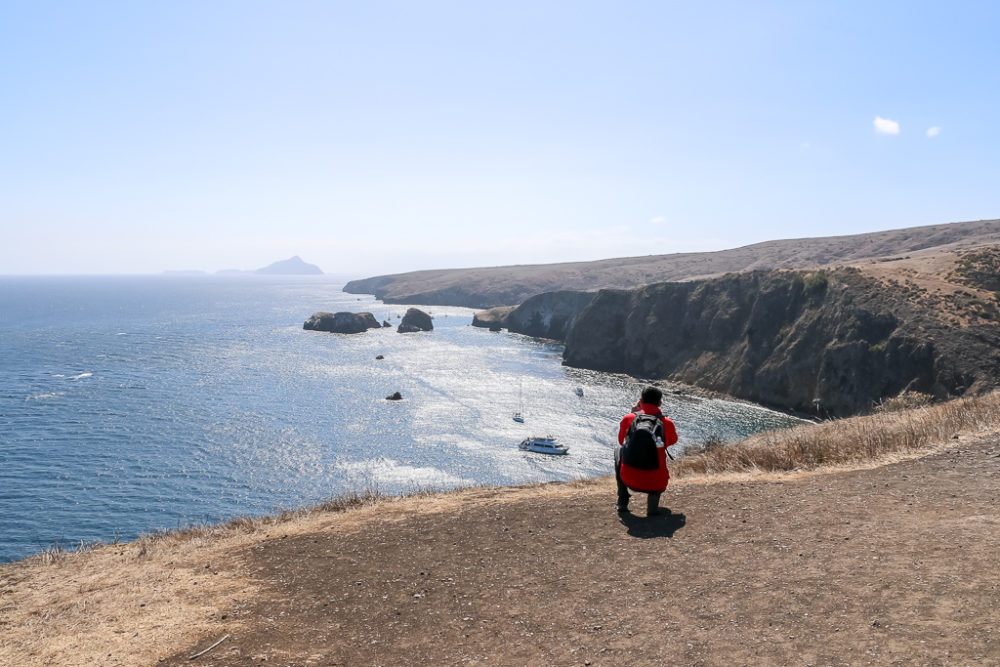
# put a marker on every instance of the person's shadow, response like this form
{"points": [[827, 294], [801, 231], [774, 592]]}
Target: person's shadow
{"points": [[661, 525]]}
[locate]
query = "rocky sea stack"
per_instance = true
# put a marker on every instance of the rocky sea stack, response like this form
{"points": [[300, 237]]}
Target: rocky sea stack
{"points": [[343, 322], [415, 320]]}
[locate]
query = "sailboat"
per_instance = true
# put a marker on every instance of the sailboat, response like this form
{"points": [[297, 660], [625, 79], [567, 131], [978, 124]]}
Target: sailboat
{"points": [[518, 417]]}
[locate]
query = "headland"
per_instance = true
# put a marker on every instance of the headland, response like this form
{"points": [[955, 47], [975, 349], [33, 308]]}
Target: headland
{"points": [[825, 326]]}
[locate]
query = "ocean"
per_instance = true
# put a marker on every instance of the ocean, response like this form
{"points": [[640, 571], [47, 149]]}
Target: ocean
{"points": [[131, 405]]}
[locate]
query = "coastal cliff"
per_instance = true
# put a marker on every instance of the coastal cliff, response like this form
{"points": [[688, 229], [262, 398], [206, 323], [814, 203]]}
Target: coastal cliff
{"points": [[829, 326], [830, 343]]}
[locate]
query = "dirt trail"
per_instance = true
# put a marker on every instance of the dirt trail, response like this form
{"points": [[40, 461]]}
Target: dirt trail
{"points": [[896, 564]]}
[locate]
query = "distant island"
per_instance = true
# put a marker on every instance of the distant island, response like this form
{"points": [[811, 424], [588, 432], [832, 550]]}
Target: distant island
{"points": [[293, 266]]}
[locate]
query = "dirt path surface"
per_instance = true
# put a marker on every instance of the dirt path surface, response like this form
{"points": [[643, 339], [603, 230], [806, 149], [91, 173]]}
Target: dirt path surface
{"points": [[898, 564]]}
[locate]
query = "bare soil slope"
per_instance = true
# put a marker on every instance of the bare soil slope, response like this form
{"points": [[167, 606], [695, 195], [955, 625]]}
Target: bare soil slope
{"points": [[888, 565], [511, 285]]}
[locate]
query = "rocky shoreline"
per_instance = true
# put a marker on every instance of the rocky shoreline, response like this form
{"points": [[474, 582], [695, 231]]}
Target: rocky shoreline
{"points": [[831, 344]]}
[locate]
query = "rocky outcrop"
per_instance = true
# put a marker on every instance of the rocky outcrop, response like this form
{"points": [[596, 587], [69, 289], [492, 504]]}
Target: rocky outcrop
{"points": [[828, 343], [549, 315], [493, 319], [343, 322], [415, 320]]}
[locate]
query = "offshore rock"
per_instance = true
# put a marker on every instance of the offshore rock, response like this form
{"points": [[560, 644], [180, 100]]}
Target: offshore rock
{"points": [[415, 320], [343, 322], [396, 396]]}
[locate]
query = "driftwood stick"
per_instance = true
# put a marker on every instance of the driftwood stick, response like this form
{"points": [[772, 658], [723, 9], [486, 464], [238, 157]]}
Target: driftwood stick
{"points": [[201, 653]]}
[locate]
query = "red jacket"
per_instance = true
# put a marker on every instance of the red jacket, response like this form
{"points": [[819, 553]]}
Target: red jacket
{"points": [[649, 481]]}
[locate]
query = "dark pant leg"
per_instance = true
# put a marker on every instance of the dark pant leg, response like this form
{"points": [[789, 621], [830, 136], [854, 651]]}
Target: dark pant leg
{"points": [[652, 501], [623, 494]]}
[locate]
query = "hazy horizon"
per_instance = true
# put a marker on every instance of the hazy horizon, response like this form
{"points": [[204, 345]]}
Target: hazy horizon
{"points": [[347, 276], [391, 137]]}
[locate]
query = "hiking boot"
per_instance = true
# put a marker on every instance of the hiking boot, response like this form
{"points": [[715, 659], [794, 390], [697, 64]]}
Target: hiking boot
{"points": [[622, 508]]}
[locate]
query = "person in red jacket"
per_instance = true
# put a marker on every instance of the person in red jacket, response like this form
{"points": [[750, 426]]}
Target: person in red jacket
{"points": [[651, 482]]}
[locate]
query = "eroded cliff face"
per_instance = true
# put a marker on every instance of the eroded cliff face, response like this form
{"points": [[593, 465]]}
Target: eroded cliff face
{"points": [[829, 343], [549, 315]]}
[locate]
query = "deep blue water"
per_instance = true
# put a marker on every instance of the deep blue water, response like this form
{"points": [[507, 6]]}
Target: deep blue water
{"points": [[134, 404]]}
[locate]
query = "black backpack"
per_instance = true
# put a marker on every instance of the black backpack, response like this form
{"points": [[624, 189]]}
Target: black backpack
{"points": [[639, 448]]}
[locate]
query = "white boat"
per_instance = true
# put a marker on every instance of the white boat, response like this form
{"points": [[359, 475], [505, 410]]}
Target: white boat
{"points": [[518, 417], [546, 445]]}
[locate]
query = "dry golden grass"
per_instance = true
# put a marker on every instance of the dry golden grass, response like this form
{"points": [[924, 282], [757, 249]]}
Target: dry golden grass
{"points": [[133, 603], [847, 441], [116, 603]]}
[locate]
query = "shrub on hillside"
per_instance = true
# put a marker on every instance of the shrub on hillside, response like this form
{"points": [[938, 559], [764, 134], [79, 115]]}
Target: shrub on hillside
{"points": [[816, 281], [906, 400]]}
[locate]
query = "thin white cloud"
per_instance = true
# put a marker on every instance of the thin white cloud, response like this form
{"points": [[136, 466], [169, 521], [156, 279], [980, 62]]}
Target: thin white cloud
{"points": [[658, 220], [886, 126], [933, 131]]}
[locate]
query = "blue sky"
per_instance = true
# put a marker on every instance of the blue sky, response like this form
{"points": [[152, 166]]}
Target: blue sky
{"points": [[377, 137]]}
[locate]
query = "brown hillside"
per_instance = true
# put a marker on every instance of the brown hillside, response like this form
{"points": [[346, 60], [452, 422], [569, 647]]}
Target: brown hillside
{"points": [[511, 285]]}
